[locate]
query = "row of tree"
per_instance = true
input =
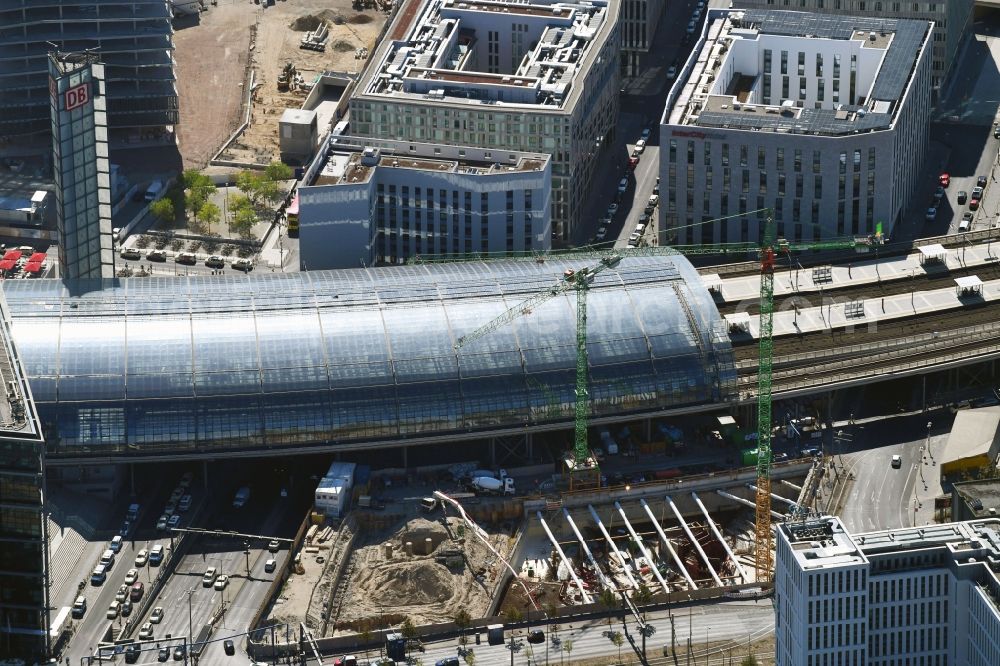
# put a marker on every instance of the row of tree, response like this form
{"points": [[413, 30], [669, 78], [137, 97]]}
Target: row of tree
{"points": [[259, 189]]}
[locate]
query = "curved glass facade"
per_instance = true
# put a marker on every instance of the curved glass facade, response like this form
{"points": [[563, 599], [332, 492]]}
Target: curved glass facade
{"points": [[356, 356]]}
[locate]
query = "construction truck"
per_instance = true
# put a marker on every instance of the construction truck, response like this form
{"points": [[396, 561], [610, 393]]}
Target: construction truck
{"points": [[285, 78], [493, 486]]}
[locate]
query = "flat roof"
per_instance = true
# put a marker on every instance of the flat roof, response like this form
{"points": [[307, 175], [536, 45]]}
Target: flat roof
{"points": [[703, 101], [821, 543], [980, 496], [973, 433]]}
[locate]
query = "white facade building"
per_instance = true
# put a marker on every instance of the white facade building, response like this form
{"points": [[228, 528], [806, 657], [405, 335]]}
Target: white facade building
{"points": [[821, 119], [926, 596], [540, 76], [333, 492], [371, 202], [951, 19]]}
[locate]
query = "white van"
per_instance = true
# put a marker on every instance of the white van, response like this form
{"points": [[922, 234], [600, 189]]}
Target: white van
{"points": [[99, 575], [964, 225], [108, 558]]}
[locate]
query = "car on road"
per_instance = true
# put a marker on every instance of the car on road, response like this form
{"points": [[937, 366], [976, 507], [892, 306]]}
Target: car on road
{"points": [[600, 236], [273, 545], [963, 196], [977, 192], [161, 522], [163, 654], [897, 462], [938, 193], [215, 261], [184, 504], [186, 480], [981, 181], [645, 133], [122, 593], [79, 606], [132, 653], [640, 146], [126, 608], [98, 575], [672, 72], [244, 265], [633, 162], [141, 558], [116, 543], [944, 180], [156, 555], [131, 576], [536, 636], [130, 253], [966, 223], [612, 209], [209, 577], [157, 615], [623, 185], [691, 27], [633, 240], [931, 214], [156, 255], [114, 609], [270, 566], [996, 132], [974, 203], [221, 582], [447, 661], [186, 258], [174, 521], [146, 632], [179, 652], [229, 647]]}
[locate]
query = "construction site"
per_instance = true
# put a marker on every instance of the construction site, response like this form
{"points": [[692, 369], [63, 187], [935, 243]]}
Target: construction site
{"points": [[276, 52]]}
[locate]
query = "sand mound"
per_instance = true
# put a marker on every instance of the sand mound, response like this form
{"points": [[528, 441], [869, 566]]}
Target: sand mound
{"points": [[306, 23], [360, 19], [425, 582], [342, 46], [420, 529]]}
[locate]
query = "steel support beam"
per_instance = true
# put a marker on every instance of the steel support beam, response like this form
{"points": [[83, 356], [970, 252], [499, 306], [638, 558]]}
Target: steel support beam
{"points": [[642, 547], [740, 500], [787, 501], [569, 564], [614, 548], [694, 542], [666, 542], [605, 581], [718, 535]]}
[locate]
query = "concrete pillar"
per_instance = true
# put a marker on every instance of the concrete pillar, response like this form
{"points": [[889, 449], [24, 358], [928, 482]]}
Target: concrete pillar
{"points": [[493, 452], [406, 464]]}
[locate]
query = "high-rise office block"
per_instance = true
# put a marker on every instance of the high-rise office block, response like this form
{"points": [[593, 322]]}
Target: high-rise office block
{"points": [[921, 596], [24, 614], [134, 40], [81, 166]]}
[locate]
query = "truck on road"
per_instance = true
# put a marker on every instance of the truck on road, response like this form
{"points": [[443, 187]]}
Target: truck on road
{"points": [[242, 495], [153, 190], [490, 485]]}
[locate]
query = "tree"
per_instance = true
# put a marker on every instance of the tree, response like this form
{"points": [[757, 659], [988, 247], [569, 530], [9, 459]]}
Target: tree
{"points": [[618, 640], [470, 658], [366, 636], [163, 210], [642, 594], [249, 184], [409, 632], [243, 222], [209, 213], [514, 614], [567, 647], [749, 660], [278, 171], [462, 620]]}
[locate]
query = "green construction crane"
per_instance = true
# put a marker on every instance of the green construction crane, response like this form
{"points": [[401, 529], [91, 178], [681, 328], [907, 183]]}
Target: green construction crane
{"points": [[580, 281]]}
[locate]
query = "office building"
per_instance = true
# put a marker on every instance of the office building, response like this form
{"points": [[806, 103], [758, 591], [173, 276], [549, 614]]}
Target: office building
{"points": [[821, 119], [639, 20], [924, 596], [365, 202], [532, 77], [24, 602], [133, 39], [81, 166], [334, 361], [951, 19]]}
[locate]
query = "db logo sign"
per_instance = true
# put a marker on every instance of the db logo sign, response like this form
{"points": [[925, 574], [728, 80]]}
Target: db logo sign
{"points": [[76, 97]]}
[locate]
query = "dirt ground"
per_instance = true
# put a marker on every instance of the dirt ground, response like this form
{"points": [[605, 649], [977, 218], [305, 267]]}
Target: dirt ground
{"points": [[426, 587], [211, 57], [210, 96]]}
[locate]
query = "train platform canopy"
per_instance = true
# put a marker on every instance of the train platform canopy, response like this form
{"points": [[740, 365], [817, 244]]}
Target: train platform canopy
{"points": [[969, 285], [974, 441], [935, 252]]}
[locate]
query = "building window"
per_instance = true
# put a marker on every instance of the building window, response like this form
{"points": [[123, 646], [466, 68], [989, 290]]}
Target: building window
{"points": [[781, 159], [784, 62], [802, 63], [673, 150]]}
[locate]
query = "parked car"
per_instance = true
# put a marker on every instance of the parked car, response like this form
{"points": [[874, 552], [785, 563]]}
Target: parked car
{"points": [[114, 609], [939, 193], [977, 192], [161, 522], [623, 184], [215, 261], [126, 608], [633, 162], [156, 555], [981, 181], [244, 265], [633, 240], [974, 203], [174, 521], [944, 180], [116, 543], [645, 133], [640, 146], [130, 253], [156, 255], [131, 576], [122, 593], [963, 196], [672, 72], [931, 214], [612, 209], [141, 558], [186, 258]]}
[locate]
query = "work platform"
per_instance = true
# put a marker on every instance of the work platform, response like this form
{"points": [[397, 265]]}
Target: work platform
{"points": [[796, 280]]}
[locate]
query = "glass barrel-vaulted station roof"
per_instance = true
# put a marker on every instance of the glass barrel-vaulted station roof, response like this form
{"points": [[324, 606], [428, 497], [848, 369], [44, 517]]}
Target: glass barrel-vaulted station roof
{"points": [[356, 357]]}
